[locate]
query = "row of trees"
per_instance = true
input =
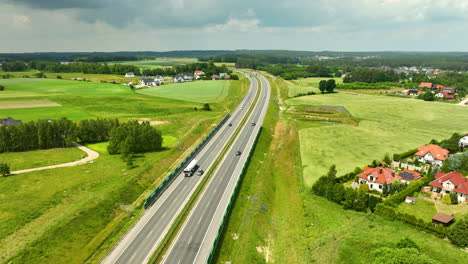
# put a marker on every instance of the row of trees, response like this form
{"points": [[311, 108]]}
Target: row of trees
{"points": [[327, 86], [291, 72], [14, 66], [327, 186], [130, 137], [84, 67], [371, 76], [133, 137]]}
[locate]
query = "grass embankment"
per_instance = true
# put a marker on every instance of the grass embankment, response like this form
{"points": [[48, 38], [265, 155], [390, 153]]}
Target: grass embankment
{"points": [[386, 125], [40, 158], [198, 91], [64, 215], [268, 200]]}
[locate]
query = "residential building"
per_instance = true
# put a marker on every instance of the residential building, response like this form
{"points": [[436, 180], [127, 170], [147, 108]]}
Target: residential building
{"points": [[432, 154], [452, 182], [188, 77], [159, 78], [464, 141], [425, 85], [179, 78], [8, 121], [129, 75], [222, 75], [413, 92], [410, 200], [408, 176], [199, 74], [376, 177], [215, 77], [145, 81]]}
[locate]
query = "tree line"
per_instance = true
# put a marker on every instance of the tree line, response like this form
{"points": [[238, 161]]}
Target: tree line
{"points": [[292, 72], [84, 67], [14, 66], [371, 76], [45, 134]]}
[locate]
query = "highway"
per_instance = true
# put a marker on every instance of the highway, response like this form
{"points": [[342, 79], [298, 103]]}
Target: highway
{"points": [[194, 241], [143, 238]]}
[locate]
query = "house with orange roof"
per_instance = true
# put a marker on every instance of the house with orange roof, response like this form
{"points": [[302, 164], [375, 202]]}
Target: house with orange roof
{"points": [[408, 176], [432, 154], [425, 85], [376, 177], [452, 182]]}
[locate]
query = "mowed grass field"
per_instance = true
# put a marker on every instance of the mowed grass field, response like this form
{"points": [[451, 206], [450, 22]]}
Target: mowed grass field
{"points": [[40, 158], [386, 125], [305, 85], [198, 91]]}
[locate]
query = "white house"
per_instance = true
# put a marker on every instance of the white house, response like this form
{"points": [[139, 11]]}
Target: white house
{"points": [[198, 74], [432, 154], [129, 75], [222, 75], [188, 77], [410, 200], [159, 78], [452, 182], [464, 141], [145, 81], [179, 78], [376, 177]]}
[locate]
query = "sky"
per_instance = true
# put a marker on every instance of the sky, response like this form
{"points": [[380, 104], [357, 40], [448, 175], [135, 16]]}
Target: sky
{"points": [[162, 25]]}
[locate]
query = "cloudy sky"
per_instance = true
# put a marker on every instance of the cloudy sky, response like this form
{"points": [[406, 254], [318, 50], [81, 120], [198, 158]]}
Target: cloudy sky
{"points": [[160, 25]]}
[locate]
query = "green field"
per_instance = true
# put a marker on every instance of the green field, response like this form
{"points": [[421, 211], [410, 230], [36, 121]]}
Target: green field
{"points": [[425, 210], [277, 220], [24, 87], [40, 158], [81, 209], [198, 91], [158, 63], [386, 125], [305, 85]]}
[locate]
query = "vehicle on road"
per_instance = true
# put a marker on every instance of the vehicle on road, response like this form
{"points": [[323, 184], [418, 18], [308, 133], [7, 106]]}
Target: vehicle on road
{"points": [[253, 124], [200, 172], [241, 107], [191, 168], [230, 124], [238, 153]]}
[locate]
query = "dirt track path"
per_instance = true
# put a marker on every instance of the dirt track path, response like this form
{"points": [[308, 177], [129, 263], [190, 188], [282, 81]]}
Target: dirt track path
{"points": [[92, 155], [463, 102]]}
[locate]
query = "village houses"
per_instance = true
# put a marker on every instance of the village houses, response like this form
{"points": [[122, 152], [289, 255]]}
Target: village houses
{"points": [[452, 182], [376, 177], [432, 154]]}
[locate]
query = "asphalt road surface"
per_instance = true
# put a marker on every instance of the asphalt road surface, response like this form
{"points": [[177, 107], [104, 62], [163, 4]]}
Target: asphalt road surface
{"points": [[144, 237], [195, 240]]}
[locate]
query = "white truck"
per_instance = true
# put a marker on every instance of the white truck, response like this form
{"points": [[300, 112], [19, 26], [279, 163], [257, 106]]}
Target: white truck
{"points": [[191, 168]]}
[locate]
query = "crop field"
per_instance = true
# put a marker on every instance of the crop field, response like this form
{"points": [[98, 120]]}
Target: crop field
{"points": [[40, 158], [385, 125], [158, 63], [15, 104], [198, 91]]}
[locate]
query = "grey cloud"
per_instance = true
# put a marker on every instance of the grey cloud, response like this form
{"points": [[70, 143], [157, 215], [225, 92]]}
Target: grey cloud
{"points": [[61, 4]]}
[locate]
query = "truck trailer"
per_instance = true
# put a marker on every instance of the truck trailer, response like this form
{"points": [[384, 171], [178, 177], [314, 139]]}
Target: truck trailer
{"points": [[191, 168]]}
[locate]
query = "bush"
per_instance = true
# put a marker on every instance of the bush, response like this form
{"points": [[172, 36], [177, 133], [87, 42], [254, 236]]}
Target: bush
{"points": [[206, 107], [2, 88], [4, 169], [453, 198], [407, 243], [59, 77], [446, 199], [364, 188], [458, 233], [133, 137]]}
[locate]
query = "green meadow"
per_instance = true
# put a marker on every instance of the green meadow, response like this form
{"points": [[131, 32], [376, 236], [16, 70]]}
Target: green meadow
{"points": [[198, 91], [305, 85], [79, 210], [385, 125]]}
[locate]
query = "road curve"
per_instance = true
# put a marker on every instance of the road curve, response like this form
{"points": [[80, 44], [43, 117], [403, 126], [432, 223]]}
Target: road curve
{"points": [[194, 242], [143, 238], [92, 155]]}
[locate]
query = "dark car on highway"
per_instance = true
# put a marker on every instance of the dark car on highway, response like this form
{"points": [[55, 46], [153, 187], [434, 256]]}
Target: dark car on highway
{"points": [[238, 153]]}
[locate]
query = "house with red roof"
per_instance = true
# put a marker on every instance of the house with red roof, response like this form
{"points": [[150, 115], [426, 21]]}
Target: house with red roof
{"points": [[376, 177], [425, 85], [198, 74], [452, 182], [432, 154], [446, 93], [408, 176]]}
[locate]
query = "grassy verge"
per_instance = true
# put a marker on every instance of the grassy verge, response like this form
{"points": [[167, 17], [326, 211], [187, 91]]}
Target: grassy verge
{"points": [[266, 221], [175, 228]]}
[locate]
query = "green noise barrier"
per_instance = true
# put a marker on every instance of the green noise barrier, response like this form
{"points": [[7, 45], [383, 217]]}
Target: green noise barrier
{"points": [[232, 200], [165, 183]]}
